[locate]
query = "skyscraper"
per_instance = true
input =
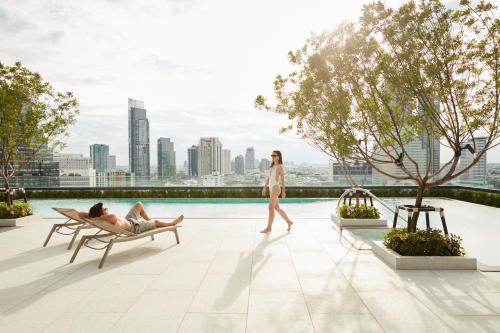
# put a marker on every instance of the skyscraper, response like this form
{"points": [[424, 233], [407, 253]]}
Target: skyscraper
{"points": [[226, 161], [99, 156], [239, 165], [193, 161], [476, 175], [112, 162], [250, 158], [209, 156], [166, 158], [138, 138], [264, 165]]}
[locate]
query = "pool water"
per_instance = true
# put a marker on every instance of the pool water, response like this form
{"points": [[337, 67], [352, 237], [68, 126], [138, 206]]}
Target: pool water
{"points": [[478, 225]]}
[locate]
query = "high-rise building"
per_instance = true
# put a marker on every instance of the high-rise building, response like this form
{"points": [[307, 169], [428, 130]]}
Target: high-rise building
{"points": [[250, 158], [138, 138], [360, 173], [112, 162], [99, 156], [75, 170], [40, 170], [166, 158], [477, 174], [239, 165], [192, 162], [73, 164], [209, 156], [425, 151], [264, 165], [226, 161]]}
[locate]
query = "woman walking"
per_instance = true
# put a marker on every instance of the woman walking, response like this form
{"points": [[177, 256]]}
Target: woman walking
{"points": [[276, 182]]}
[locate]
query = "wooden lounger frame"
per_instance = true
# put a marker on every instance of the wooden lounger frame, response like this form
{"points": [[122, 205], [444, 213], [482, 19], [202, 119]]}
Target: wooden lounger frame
{"points": [[115, 235], [73, 227]]}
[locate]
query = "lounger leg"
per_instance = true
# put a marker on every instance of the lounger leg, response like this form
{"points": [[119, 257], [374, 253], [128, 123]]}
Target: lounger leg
{"points": [[108, 248], [78, 248], [152, 237], [77, 231], [50, 234], [176, 236]]}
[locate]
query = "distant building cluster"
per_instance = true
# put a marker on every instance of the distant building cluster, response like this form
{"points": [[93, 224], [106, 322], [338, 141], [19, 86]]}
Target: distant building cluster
{"points": [[209, 164]]}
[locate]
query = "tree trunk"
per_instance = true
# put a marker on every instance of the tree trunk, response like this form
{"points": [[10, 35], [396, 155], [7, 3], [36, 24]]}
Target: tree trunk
{"points": [[7, 195], [418, 203]]}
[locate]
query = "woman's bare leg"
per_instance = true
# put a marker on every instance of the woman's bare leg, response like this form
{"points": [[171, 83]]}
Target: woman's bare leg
{"points": [[273, 200], [160, 224], [284, 216]]}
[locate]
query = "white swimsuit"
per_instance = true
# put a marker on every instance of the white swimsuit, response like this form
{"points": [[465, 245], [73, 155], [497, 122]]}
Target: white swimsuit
{"points": [[272, 179]]}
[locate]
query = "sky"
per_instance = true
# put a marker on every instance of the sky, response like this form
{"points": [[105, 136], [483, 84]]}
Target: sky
{"points": [[197, 65]]}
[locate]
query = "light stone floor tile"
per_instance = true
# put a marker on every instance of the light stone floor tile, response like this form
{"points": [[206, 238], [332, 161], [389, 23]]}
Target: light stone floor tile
{"points": [[345, 323], [279, 322], [156, 311], [275, 302], [117, 295], [448, 298], [180, 275], [222, 294], [232, 263], [210, 322], [473, 324], [341, 301], [33, 314], [399, 311], [83, 323]]}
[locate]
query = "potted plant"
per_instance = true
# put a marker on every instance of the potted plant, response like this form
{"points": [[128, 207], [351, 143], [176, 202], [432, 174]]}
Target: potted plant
{"points": [[16, 212], [423, 249], [358, 216]]}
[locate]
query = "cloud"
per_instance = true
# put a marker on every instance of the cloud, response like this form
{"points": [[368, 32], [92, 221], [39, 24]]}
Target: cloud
{"points": [[166, 65], [54, 37], [11, 22]]}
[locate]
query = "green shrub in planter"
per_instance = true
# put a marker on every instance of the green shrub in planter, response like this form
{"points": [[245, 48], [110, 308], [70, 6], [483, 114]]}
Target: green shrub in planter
{"points": [[431, 242], [359, 212], [18, 209]]}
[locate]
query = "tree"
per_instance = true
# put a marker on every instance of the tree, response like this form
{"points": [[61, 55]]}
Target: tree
{"points": [[365, 90], [32, 116]]}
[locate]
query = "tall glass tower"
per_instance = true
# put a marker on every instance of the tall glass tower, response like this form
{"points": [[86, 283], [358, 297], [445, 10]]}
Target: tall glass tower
{"points": [[209, 156], [138, 138], [250, 158], [166, 158], [193, 161], [99, 156]]}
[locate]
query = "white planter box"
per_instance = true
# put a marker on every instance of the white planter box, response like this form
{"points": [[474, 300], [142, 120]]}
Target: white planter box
{"points": [[13, 222], [358, 223], [398, 261]]}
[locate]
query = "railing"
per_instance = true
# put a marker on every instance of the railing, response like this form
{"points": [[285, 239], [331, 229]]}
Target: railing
{"points": [[229, 181]]}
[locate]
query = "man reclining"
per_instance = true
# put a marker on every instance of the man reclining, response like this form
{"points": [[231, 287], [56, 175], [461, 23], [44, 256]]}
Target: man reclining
{"points": [[136, 221]]}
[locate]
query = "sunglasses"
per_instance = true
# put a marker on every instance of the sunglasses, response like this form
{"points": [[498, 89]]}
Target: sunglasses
{"points": [[274, 155]]}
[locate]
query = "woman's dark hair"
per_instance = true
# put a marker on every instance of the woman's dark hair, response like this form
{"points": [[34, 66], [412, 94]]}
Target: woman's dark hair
{"points": [[96, 210], [280, 159]]}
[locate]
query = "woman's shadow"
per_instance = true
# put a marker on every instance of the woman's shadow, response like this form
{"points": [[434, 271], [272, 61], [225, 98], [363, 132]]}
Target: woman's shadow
{"points": [[256, 260]]}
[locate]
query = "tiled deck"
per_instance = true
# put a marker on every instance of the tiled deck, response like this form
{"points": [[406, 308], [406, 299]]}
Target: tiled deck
{"points": [[226, 277]]}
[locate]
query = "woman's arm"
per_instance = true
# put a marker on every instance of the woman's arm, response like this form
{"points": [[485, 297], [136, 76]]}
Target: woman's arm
{"points": [[266, 184], [282, 175]]}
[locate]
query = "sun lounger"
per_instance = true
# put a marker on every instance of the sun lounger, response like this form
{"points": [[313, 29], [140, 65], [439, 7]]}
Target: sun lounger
{"points": [[109, 234], [71, 227]]}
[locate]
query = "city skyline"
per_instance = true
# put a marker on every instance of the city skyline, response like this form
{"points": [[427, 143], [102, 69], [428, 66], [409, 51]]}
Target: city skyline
{"points": [[189, 92]]}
